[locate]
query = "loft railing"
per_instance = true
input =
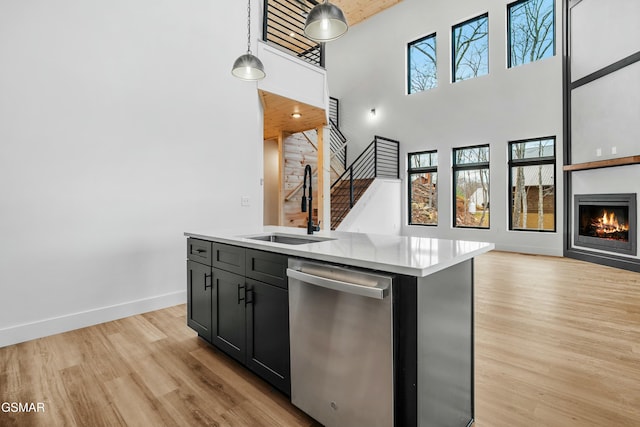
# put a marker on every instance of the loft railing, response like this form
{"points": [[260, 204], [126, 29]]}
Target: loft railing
{"points": [[381, 159], [334, 110], [338, 144], [283, 25]]}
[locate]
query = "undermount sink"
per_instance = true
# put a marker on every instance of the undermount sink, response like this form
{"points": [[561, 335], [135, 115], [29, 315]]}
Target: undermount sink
{"points": [[288, 239]]}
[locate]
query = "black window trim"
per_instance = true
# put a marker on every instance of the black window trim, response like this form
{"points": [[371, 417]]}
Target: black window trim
{"points": [[509, 6], [453, 44], [411, 171], [432, 35], [468, 166], [547, 160]]}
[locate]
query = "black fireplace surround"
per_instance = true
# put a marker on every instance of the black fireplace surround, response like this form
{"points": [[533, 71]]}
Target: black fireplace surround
{"points": [[606, 222]]}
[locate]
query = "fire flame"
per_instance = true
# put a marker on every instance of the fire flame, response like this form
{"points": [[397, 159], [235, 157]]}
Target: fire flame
{"points": [[608, 224]]}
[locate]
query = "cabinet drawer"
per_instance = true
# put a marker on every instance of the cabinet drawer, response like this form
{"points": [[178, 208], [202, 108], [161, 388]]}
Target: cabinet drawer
{"points": [[229, 258], [199, 251], [267, 267]]}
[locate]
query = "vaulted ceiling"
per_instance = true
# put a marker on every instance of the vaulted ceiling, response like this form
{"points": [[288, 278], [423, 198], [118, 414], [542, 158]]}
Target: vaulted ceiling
{"points": [[359, 10]]}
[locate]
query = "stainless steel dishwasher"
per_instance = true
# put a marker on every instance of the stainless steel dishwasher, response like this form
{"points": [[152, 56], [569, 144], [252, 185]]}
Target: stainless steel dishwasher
{"points": [[341, 328]]}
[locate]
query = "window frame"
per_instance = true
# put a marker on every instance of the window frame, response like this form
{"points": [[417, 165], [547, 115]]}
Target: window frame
{"points": [[420, 170], [408, 74], [536, 161], [453, 46], [468, 166], [553, 20]]}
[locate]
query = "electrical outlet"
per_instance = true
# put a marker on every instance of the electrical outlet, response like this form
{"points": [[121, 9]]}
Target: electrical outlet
{"points": [[598, 152], [244, 201], [614, 150]]}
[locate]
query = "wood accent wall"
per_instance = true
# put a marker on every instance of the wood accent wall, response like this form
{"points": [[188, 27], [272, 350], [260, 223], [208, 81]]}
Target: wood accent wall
{"points": [[298, 152]]}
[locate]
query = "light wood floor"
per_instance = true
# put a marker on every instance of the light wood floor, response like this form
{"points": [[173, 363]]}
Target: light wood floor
{"points": [[557, 344]]}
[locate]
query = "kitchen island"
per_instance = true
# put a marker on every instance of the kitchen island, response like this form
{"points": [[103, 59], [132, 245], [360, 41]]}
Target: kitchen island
{"points": [[241, 300]]}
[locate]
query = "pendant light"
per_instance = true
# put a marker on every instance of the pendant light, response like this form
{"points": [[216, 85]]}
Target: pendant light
{"points": [[248, 66], [325, 22]]}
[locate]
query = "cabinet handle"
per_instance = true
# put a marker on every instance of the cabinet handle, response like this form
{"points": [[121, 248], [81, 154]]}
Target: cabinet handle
{"points": [[241, 298], [207, 276], [198, 251], [249, 293]]}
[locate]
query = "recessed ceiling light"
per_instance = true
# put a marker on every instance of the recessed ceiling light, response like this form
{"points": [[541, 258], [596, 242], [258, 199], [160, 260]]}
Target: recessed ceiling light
{"points": [[296, 115]]}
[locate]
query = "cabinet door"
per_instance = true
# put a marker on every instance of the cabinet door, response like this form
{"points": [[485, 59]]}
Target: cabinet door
{"points": [[268, 333], [228, 320], [199, 298]]}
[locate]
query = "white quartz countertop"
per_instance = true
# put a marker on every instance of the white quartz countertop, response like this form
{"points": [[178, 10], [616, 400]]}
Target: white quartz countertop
{"points": [[413, 256]]}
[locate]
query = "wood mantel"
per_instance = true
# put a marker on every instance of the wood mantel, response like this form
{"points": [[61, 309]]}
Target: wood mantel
{"points": [[622, 161]]}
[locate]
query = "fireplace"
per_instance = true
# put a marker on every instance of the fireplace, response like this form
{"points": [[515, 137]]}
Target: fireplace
{"points": [[606, 222]]}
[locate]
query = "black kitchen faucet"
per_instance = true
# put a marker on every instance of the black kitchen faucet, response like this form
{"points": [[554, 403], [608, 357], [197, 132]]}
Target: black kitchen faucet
{"points": [[310, 227]]}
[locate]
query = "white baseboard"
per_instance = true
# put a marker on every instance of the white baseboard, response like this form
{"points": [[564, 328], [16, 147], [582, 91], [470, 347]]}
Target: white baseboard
{"points": [[42, 328], [532, 250]]}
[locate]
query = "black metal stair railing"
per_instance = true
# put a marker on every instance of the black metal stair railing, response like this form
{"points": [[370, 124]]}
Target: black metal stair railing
{"points": [[381, 159], [337, 140], [338, 145], [283, 25]]}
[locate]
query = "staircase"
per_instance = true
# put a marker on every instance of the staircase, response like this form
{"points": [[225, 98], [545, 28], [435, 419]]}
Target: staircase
{"points": [[381, 159], [341, 198]]}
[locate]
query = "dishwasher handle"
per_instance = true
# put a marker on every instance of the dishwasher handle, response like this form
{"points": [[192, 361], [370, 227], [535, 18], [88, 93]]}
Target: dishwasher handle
{"points": [[378, 292]]}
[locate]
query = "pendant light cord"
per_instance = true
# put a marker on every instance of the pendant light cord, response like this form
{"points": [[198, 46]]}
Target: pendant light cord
{"points": [[249, 26]]}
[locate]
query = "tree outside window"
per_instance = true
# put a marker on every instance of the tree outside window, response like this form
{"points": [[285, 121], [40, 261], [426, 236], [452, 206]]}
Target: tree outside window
{"points": [[532, 185], [471, 186], [421, 56], [531, 31], [471, 48], [423, 188]]}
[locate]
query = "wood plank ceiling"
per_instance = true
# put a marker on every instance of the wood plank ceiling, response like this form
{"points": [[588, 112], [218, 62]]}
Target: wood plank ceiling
{"points": [[278, 109], [358, 10]]}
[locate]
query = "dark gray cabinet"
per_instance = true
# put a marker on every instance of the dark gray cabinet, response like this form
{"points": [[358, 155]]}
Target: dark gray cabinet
{"points": [[267, 333], [199, 287], [229, 312], [229, 258], [249, 308], [267, 267]]}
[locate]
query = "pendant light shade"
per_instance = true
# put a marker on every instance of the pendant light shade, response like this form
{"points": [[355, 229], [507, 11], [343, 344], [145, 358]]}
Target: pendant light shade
{"points": [[325, 22], [248, 66]]}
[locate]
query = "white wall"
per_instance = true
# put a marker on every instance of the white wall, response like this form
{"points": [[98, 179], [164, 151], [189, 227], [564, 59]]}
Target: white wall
{"points": [[377, 211], [367, 69], [121, 127], [615, 35], [292, 77], [604, 112]]}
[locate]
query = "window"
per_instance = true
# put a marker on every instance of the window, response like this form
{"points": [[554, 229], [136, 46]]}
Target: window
{"points": [[471, 186], [531, 31], [471, 48], [532, 195], [421, 67], [423, 188]]}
